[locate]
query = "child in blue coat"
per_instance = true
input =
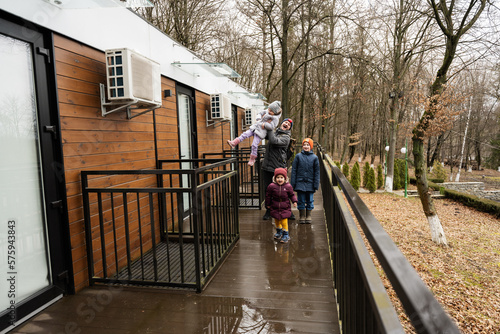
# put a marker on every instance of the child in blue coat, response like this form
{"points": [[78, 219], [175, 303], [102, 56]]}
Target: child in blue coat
{"points": [[305, 180]]}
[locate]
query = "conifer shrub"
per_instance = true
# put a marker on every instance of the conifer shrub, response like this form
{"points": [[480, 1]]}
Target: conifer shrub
{"points": [[355, 177], [366, 168], [438, 171], [380, 177], [370, 182], [396, 183], [345, 170], [337, 163], [399, 174]]}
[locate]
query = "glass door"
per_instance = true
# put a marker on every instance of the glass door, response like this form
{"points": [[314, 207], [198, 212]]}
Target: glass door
{"points": [[185, 143], [35, 250], [25, 257]]}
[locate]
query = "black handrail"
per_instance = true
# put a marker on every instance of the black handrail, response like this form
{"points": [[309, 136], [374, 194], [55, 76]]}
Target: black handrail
{"points": [[127, 229], [251, 190], [363, 301]]}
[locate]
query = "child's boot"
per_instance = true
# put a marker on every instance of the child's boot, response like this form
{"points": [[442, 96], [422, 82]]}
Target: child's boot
{"points": [[278, 234], [285, 237], [251, 162], [302, 217], [233, 143], [308, 217]]}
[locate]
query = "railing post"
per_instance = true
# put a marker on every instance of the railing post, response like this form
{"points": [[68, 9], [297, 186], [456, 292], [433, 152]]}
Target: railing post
{"points": [[196, 228], [88, 227]]}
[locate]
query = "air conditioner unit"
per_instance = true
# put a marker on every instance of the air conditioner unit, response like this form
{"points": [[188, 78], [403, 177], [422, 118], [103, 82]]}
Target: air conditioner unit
{"points": [[131, 76], [220, 107], [250, 116]]}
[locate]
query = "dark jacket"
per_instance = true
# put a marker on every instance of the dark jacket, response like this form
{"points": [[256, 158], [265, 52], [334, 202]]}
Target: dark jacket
{"points": [[305, 172], [276, 150], [278, 200]]}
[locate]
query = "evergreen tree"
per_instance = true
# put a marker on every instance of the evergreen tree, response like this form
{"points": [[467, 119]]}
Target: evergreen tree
{"points": [[370, 182], [338, 164], [366, 168], [397, 175], [355, 177], [345, 170], [438, 171], [380, 177]]}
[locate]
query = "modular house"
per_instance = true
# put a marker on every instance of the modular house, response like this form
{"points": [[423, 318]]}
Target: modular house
{"points": [[90, 85]]}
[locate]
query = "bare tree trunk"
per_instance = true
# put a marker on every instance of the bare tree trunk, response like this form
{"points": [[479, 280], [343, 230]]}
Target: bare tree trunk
{"points": [[437, 232], [445, 19], [463, 144], [437, 150], [284, 59]]}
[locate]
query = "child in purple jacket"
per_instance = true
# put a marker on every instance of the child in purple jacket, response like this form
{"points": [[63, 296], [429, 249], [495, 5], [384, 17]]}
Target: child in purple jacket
{"points": [[278, 196]]}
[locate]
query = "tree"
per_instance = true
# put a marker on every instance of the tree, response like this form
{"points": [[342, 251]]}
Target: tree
{"points": [[366, 168], [380, 177], [192, 23], [438, 171], [283, 19], [355, 176], [445, 16], [398, 181], [345, 170], [406, 42], [370, 183], [494, 159]]}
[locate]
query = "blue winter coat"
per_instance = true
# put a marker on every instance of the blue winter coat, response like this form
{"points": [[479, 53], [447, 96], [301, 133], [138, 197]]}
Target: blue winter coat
{"points": [[305, 172]]}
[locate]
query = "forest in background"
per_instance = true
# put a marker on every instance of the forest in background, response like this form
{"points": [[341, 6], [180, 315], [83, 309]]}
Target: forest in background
{"points": [[347, 72]]}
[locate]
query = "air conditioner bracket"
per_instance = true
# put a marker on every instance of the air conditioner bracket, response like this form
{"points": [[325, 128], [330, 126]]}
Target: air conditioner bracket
{"points": [[215, 122], [140, 104]]}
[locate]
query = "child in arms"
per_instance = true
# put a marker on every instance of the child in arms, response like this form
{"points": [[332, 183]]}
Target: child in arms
{"points": [[266, 120]]}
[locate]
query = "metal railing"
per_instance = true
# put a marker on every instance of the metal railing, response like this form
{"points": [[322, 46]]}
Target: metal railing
{"points": [[364, 306], [252, 192], [170, 226]]}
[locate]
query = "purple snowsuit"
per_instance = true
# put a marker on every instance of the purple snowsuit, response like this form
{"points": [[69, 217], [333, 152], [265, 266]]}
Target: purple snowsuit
{"points": [[278, 199]]}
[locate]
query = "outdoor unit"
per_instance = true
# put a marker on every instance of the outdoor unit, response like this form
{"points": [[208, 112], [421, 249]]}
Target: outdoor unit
{"points": [[131, 76], [250, 116], [220, 107]]}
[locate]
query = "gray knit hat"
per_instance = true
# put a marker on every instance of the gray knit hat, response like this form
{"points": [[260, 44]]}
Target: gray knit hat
{"points": [[275, 107]]}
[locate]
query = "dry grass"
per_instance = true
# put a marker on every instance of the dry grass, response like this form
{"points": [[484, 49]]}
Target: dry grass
{"points": [[464, 277]]}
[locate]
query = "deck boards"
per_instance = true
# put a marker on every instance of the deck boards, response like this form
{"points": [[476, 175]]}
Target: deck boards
{"points": [[263, 287]]}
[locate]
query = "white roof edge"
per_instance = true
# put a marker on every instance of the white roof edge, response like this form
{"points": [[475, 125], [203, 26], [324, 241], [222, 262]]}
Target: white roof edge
{"points": [[117, 27]]}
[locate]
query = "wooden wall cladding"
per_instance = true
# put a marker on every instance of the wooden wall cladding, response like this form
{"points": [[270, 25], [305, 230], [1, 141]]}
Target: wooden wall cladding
{"points": [[93, 142]]}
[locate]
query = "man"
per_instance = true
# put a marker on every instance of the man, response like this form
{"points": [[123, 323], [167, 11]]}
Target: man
{"points": [[276, 155]]}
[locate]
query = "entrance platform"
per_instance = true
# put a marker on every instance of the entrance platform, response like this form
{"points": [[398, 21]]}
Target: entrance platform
{"points": [[263, 287]]}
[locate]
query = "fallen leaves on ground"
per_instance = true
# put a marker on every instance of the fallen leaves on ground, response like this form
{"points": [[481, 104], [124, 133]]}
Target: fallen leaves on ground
{"points": [[464, 277]]}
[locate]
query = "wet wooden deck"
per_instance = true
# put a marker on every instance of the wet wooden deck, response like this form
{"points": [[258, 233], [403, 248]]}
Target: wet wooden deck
{"points": [[263, 287]]}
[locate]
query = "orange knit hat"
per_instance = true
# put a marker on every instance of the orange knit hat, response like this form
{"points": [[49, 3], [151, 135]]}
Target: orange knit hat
{"points": [[309, 140]]}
